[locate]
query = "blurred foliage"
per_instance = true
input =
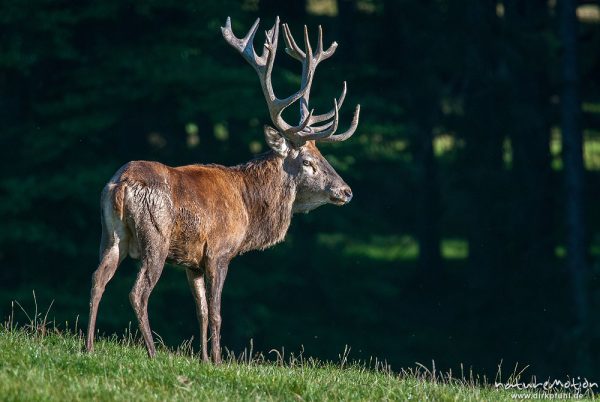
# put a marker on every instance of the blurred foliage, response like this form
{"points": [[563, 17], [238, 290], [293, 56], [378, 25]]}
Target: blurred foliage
{"points": [[451, 249]]}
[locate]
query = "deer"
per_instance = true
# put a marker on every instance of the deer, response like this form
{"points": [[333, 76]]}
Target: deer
{"points": [[199, 217]]}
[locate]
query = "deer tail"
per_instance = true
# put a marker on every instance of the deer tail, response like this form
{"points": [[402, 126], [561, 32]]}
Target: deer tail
{"points": [[118, 196]]}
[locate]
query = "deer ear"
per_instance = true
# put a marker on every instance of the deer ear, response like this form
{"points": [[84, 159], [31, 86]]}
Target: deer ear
{"points": [[276, 141]]}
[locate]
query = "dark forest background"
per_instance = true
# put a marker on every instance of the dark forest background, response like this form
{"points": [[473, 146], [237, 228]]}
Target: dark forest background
{"points": [[474, 233]]}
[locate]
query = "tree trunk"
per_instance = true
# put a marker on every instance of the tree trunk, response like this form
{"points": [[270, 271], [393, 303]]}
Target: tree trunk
{"points": [[532, 203], [573, 170], [428, 208], [482, 167]]}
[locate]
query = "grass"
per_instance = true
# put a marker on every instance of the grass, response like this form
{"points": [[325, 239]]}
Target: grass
{"points": [[40, 362], [54, 367]]}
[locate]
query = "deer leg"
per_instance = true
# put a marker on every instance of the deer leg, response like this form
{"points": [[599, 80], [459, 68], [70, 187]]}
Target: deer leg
{"points": [[196, 282], [152, 266], [112, 251], [103, 274], [215, 275]]}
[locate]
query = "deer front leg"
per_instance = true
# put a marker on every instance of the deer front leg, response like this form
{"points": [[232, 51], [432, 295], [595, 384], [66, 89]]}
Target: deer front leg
{"points": [[196, 282], [215, 278]]}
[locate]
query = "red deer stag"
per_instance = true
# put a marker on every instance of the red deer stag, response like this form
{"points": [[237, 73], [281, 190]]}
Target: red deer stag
{"points": [[201, 216]]}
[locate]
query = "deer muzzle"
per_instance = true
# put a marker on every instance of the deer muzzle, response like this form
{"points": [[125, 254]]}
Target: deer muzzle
{"points": [[341, 196]]}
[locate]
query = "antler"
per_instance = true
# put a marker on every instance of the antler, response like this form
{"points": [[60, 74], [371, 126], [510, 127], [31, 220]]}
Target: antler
{"points": [[263, 65]]}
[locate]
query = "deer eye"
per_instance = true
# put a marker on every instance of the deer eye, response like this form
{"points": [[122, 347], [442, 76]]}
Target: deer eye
{"points": [[306, 162]]}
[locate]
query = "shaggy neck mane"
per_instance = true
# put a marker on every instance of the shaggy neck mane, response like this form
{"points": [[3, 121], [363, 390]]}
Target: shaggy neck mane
{"points": [[269, 194]]}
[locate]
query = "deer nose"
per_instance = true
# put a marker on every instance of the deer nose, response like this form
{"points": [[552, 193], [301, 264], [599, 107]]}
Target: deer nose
{"points": [[348, 193]]}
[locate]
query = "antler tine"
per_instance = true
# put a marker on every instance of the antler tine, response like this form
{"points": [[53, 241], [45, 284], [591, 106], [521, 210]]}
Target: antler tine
{"points": [[325, 131], [292, 133], [245, 45], [323, 55], [270, 50], [344, 136], [326, 116], [291, 47], [321, 127], [307, 47], [309, 64], [329, 52], [320, 41]]}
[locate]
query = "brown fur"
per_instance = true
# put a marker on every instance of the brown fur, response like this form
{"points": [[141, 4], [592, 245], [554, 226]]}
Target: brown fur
{"points": [[200, 217]]}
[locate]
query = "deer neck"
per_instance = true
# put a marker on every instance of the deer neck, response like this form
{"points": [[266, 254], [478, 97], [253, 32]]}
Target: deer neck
{"points": [[269, 193]]}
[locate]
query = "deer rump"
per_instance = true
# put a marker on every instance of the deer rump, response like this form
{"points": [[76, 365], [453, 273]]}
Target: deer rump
{"points": [[148, 204]]}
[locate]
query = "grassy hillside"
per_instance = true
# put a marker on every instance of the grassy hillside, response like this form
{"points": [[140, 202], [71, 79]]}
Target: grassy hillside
{"points": [[48, 365]]}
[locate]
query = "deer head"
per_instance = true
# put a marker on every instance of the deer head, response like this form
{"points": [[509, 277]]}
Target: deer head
{"points": [[317, 182]]}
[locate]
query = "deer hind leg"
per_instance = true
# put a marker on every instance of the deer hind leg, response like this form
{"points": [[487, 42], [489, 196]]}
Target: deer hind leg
{"points": [[113, 249], [154, 250], [196, 282]]}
